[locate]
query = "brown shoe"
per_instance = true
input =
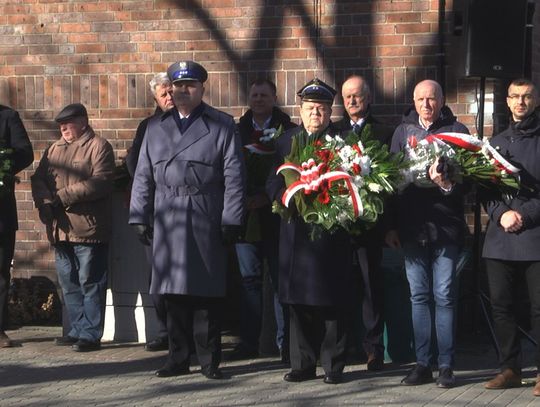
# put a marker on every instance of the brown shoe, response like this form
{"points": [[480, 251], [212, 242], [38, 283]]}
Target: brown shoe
{"points": [[536, 390], [504, 380], [5, 342], [375, 362]]}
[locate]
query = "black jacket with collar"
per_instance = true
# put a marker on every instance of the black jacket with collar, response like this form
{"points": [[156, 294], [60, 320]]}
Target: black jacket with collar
{"points": [[520, 144], [380, 131]]}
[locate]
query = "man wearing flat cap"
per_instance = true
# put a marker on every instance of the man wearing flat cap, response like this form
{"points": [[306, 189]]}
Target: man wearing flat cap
{"points": [[72, 189], [188, 194], [314, 275]]}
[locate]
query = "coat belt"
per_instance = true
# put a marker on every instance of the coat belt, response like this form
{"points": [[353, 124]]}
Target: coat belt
{"points": [[185, 190]]}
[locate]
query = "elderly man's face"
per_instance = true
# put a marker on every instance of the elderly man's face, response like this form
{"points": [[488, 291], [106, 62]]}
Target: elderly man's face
{"points": [[163, 97], [521, 100], [73, 128], [187, 95], [428, 101], [315, 116], [354, 100]]}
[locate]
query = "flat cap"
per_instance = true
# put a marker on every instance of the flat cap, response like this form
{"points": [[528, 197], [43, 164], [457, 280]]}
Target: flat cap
{"points": [[187, 71], [71, 111], [317, 91]]}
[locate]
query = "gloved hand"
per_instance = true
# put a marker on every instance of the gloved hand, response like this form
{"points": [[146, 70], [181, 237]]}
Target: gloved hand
{"points": [[446, 167], [231, 234], [145, 233], [46, 214]]}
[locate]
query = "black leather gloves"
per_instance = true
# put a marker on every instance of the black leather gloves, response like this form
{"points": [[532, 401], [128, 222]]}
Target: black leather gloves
{"points": [[46, 214], [231, 234], [145, 233]]}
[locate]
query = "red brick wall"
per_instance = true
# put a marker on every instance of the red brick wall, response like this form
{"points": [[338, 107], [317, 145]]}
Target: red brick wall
{"points": [[102, 53]]}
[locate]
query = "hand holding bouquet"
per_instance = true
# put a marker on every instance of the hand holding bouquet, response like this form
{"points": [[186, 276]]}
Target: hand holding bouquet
{"points": [[459, 156]]}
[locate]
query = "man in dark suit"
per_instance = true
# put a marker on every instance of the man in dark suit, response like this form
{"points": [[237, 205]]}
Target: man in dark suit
{"points": [[188, 199], [367, 247], [14, 146], [161, 89], [314, 275]]}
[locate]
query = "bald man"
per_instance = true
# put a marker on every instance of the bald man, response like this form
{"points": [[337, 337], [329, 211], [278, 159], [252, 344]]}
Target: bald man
{"points": [[429, 225]]}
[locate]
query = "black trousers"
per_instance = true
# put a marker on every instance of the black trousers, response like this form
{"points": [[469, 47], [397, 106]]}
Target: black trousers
{"points": [[193, 320], [503, 280], [369, 261], [317, 333], [7, 248]]}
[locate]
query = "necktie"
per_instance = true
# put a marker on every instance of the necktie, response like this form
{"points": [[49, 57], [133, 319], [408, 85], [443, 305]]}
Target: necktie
{"points": [[356, 128]]}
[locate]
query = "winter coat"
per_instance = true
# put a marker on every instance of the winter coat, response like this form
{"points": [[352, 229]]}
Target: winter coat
{"points": [[13, 136], [81, 175], [315, 272], [186, 186], [427, 214], [261, 223], [520, 144]]}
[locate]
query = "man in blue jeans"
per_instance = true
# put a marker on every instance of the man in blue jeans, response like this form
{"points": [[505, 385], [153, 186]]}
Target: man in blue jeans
{"points": [[429, 221], [72, 189]]}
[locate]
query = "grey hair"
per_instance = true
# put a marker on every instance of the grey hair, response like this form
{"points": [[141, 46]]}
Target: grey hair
{"points": [[159, 79]]}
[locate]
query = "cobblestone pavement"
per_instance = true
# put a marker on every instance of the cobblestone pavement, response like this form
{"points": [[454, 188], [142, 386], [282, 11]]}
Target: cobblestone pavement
{"points": [[37, 373]]}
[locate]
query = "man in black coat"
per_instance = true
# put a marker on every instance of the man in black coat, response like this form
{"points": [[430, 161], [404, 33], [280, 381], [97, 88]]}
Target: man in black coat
{"points": [[314, 275], [367, 247], [511, 246], [261, 239], [16, 147], [161, 89]]}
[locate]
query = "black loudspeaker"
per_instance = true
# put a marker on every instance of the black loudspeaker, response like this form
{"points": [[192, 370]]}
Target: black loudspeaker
{"points": [[492, 38]]}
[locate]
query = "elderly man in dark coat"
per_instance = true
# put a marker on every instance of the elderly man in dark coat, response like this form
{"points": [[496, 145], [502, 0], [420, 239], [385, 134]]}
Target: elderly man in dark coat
{"points": [[314, 275], [188, 192], [15, 146]]}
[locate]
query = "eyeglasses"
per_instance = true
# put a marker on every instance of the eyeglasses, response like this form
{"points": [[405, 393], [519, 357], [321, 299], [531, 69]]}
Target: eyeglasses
{"points": [[527, 97]]}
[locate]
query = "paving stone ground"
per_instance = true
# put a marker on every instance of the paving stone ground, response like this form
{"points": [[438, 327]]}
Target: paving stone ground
{"points": [[37, 373]]}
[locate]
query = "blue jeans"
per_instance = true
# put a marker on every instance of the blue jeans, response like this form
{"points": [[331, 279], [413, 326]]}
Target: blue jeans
{"points": [[251, 262], [82, 274], [431, 271]]}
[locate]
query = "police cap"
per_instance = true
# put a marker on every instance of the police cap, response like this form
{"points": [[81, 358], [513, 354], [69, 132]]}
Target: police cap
{"points": [[71, 111], [317, 91], [187, 71]]}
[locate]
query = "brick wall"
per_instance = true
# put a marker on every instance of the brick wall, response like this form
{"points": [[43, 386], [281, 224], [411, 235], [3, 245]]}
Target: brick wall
{"points": [[102, 53]]}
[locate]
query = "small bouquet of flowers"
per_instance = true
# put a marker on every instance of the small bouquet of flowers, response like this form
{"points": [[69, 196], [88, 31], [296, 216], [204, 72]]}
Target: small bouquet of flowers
{"points": [[337, 182], [467, 157], [6, 164]]}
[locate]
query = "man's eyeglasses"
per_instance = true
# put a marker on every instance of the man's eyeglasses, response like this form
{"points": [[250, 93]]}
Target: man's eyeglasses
{"points": [[527, 97]]}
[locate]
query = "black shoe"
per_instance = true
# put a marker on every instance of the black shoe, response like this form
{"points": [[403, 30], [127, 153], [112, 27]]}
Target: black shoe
{"points": [[83, 345], [211, 372], [243, 351], [172, 370], [300, 375], [157, 344], [375, 362], [333, 378], [446, 378], [65, 341], [418, 375]]}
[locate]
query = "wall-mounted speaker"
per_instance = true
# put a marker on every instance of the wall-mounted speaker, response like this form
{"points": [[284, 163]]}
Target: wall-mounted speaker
{"points": [[492, 37]]}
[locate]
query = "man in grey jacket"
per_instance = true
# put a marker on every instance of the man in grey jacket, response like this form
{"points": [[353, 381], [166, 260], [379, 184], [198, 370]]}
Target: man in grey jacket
{"points": [[188, 198]]}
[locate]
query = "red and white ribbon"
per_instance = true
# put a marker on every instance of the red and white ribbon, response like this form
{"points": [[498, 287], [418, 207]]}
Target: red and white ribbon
{"points": [[473, 143], [311, 179]]}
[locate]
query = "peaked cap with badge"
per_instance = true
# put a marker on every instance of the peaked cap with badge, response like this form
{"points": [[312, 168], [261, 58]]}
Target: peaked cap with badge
{"points": [[187, 71], [317, 91]]}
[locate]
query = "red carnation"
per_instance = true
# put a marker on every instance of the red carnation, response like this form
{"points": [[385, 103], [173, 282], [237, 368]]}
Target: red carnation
{"points": [[356, 169], [324, 197], [413, 142]]}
